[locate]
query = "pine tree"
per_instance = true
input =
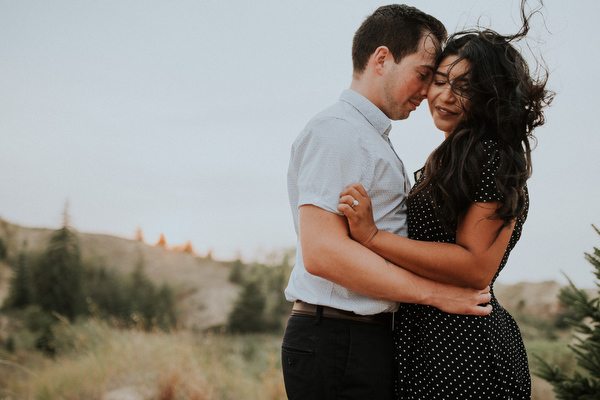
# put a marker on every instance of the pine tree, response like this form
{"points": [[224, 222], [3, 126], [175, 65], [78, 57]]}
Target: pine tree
{"points": [[20, 288], [166, 311], [142, 293], [236, 271], [139, 235], [248, 311], [57, 278], [583, 385], [162, 241], [106, 292], [3, 250]]}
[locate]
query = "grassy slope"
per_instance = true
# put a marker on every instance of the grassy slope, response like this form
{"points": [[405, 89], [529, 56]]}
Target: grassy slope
{"points": [[204, 366], [206, 294]]}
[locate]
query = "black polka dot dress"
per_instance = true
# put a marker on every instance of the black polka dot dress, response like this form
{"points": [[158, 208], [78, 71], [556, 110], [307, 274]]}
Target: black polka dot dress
{"points": [[447, 356]]}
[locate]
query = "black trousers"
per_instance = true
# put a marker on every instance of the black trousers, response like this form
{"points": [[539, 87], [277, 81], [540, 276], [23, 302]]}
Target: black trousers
{"points": [[328, 358]]}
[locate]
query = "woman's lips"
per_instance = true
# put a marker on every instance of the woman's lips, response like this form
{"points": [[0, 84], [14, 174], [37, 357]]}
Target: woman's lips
{"points": [[445, 111]]}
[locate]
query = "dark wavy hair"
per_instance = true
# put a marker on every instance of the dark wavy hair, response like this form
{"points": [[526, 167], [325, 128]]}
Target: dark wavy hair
{"points": [[504, 104], [398, 27]]}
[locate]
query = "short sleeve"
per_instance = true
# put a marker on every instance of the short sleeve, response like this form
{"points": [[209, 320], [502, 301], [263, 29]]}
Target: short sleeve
{"points": [[487, 189], [329, 157]]}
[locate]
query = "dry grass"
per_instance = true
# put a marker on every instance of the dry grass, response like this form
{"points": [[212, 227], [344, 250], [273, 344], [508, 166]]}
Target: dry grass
{"points": [[96, 362], [104, 364]]}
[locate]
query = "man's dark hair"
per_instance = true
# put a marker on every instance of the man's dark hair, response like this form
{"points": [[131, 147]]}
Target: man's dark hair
{"points": [[398, 27]]}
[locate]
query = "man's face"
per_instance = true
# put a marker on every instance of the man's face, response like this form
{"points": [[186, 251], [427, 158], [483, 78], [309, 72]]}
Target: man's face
{"points": [[405, 84]]}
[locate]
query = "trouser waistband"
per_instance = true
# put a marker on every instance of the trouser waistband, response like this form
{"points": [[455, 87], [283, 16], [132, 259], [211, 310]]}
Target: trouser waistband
{"points": [[301, 307]]}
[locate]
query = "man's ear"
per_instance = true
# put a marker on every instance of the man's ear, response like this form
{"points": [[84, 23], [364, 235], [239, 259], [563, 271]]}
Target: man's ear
{"points": [[379, 57]]}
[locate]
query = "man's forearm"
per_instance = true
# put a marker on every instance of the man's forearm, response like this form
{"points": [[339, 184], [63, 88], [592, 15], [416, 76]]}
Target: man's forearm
{"points": [[351, 265], [330, 253]]}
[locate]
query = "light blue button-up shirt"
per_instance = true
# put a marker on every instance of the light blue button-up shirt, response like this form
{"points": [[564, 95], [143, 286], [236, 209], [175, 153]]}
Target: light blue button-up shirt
{"points": [[346, 143]]}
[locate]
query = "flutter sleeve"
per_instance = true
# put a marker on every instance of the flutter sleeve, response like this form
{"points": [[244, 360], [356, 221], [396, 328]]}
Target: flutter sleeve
{"points": [[487, 190]]}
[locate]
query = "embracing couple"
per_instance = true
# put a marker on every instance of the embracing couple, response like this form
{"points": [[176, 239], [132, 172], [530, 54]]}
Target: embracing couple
{"points": [[393, 285]]}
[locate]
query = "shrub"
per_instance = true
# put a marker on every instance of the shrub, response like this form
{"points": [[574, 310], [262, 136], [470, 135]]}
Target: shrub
{"points": [[584, 385], [247, 313]]}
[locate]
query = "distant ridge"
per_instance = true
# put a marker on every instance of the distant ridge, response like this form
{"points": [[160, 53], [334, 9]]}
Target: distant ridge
{"points": [[208, 294], [539, 298]]}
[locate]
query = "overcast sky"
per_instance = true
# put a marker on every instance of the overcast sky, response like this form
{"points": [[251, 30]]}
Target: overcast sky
{"points": [[177, 117]]}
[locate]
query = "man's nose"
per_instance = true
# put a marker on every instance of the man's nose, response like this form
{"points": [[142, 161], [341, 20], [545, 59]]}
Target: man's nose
{"points": [[424, 90]]}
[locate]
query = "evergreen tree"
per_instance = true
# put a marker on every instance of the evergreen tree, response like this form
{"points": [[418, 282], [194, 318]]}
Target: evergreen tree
{"points": [[248, 311], [57, 278], [583, 385], [236, 271], [142, 294], [280, 279], [188, 248], [139, 235], [166, 313], [162, 241], [151, 306], [3, 250], [20, 289], [106, 292]]}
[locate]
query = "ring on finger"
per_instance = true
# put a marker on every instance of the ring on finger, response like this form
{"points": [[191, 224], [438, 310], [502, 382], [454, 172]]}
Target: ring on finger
{"points": [[354, 203]]}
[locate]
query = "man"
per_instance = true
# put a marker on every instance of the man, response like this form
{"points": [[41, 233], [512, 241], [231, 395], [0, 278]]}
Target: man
{"points": [[338, 341]]}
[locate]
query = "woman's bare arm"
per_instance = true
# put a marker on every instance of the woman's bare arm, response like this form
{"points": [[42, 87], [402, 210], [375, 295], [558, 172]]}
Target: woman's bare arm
{"points": [[471, 262]]}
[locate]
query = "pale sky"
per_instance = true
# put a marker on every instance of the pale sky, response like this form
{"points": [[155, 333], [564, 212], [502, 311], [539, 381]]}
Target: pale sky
{"points": [[177, 117]]}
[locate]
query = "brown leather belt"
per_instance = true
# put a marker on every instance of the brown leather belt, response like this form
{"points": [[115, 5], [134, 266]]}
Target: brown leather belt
{"points": [[301, 307]]}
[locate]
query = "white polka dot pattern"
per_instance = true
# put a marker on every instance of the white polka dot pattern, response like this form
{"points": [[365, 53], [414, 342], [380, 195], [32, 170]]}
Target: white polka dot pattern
{"points": [[447, 356]]}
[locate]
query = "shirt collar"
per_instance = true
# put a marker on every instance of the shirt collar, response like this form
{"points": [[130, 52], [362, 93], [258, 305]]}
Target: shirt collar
{"points": [[370, 111]]}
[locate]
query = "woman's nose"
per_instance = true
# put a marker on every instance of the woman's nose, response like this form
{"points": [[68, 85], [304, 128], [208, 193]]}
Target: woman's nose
{"points": [[448, 95]]}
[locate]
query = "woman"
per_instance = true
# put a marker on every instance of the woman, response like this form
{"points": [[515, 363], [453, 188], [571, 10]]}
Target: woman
{"points": [[465, 214]]}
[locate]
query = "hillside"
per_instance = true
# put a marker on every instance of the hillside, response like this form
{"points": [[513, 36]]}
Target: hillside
{"points": [[538, 299], [207, 294]]}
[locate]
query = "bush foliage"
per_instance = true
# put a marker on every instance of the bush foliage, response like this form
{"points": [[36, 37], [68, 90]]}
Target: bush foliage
{"points": [[261, 305], [57, 285], [584, 385]]}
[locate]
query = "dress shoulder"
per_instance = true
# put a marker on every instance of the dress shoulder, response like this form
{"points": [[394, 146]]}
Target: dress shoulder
{"points": [[487, 189]]}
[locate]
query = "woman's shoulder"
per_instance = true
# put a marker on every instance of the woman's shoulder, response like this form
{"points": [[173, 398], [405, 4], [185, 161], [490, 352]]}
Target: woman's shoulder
{"points": [[491, 152]]}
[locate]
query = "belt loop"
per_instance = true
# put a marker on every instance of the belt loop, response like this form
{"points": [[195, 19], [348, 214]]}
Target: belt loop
{"points": [[319, 315]]}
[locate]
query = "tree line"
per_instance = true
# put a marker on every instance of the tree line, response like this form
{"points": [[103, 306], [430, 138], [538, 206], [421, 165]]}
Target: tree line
{"points": [[261, 305], [56, 283]]}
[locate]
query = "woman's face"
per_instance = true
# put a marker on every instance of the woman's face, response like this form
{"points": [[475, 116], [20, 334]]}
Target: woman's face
{"points": [[447, 108]]}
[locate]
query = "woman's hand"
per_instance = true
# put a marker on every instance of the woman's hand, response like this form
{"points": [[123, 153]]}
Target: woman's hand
{"points": [[355, 204]]}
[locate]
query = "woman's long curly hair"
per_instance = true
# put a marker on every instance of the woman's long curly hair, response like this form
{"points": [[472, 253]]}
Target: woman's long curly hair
{"points": [[503, 103]]}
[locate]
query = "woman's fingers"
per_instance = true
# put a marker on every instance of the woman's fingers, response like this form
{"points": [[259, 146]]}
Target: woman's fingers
{"points": [[360, 189], [346, 204]]}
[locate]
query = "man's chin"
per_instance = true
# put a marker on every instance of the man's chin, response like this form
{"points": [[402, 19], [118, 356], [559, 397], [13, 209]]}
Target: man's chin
{"points": [[403, 115]]}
